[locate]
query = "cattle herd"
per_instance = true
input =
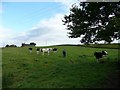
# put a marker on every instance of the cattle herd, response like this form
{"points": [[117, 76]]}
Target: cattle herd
{"points": [[44, 50], [97, 55]]}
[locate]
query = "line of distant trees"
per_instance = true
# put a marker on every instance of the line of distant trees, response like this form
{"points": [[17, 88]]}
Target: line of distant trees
{"points": [[11, 45], [23, 45]]}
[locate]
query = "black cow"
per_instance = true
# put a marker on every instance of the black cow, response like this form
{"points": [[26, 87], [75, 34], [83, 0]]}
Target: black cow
{"points": [[30, 50], [55, 49], [37, 49], [99, 55], [64, 53]]}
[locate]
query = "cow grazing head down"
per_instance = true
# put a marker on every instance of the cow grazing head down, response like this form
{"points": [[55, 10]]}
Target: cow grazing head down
{"points": [[99, 55], [55, 49], [30, 50]]}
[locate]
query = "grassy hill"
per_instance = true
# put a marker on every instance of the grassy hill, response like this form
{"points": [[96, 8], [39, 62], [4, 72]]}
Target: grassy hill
{"points": [[79, 69]]}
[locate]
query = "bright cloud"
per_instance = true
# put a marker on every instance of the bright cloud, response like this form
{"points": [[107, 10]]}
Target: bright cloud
{"points": [[6, 35], [67, 4], [5, 32], [46, 32]]}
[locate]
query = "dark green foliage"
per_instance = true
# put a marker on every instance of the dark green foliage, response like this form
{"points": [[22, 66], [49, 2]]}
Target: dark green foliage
{"points": [[94, 21]]}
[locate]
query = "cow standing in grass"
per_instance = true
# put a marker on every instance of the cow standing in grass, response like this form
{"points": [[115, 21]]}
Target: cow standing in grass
{"points": [[45, 50], [38, 50], [99, 55], [30, 50], [64, 53], [54, 50]]}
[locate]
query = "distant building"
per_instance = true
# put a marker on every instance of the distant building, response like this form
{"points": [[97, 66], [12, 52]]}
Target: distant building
{"points": [[31, 44]]}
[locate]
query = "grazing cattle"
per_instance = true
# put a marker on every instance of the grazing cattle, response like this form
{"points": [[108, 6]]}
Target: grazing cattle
{"points": [[54, 50], [38, 50], [30, 50], [45, 50], [99, 55], [64, 53]]}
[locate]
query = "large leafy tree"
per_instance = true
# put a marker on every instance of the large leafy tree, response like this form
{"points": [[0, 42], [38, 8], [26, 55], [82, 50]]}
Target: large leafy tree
{"points": [[94, 21]]}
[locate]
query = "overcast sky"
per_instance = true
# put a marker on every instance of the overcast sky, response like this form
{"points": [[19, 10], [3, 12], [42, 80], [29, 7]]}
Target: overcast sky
{"points": [[39, 21]]}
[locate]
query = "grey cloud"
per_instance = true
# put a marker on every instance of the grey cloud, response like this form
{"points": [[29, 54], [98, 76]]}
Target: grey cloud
{"points": [[37, 32], [40, 31]]}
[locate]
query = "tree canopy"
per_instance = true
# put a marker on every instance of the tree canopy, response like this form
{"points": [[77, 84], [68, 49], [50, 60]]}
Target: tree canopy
{"points": [[94, 21]]}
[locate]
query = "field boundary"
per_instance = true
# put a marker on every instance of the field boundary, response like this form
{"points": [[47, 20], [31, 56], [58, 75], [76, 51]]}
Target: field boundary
{"points": [[107, 46]]}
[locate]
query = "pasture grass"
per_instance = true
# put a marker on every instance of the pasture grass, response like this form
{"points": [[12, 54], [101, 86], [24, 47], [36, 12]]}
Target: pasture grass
{"points": [[22, 69]]}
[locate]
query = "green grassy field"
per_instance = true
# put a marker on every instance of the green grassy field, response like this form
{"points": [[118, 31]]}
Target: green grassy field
{"points": [[79, 69]]}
